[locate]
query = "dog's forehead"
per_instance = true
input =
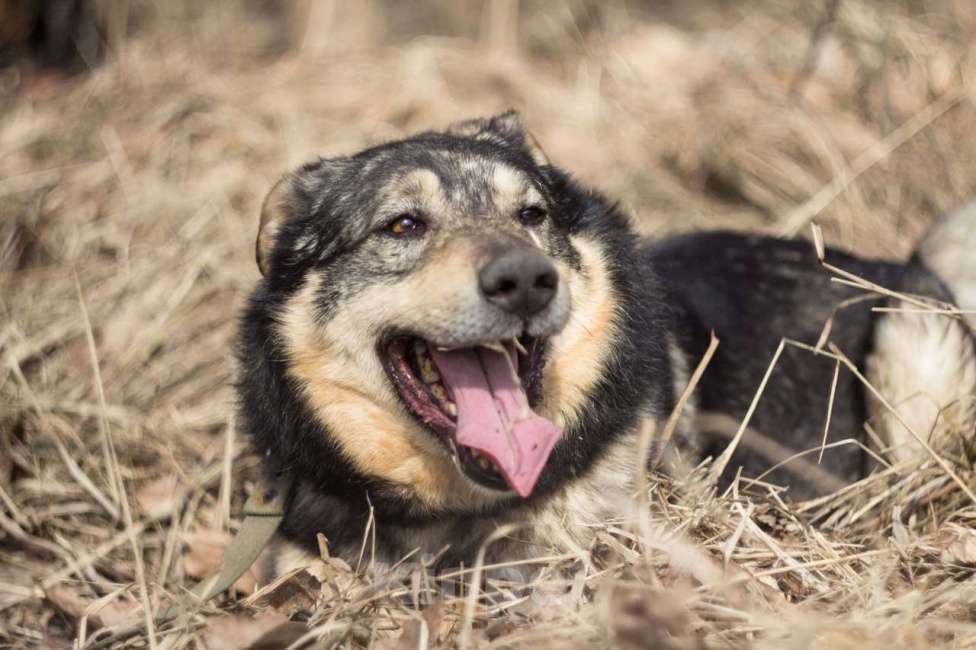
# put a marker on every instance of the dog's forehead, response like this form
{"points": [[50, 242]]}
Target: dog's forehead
{"points": [[455, 184]]}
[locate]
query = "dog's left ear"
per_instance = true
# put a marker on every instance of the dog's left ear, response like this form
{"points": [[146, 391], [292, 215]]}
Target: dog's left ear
{"points": [[275, 211], [505, 128]]}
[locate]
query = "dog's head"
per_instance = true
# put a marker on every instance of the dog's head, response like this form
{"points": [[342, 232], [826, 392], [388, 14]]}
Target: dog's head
{"points": [[439, 308]]}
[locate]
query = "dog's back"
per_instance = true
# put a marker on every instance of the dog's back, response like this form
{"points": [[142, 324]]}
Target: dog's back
{"points": [[754, 292]]}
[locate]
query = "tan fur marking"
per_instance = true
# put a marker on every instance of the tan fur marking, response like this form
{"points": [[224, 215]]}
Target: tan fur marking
{"points": [[417, 188], [580, 352], [512, 189], [418, 183], [347, 387]]}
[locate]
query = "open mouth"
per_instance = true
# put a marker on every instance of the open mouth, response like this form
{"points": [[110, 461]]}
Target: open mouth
{"points": [[478, 401]]}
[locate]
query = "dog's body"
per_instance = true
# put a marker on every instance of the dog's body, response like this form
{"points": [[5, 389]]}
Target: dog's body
{"points": [[365, 380], [753, 292]]}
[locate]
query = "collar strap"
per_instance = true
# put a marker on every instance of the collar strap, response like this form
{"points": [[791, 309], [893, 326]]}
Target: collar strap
{"points": [[263, 513]]}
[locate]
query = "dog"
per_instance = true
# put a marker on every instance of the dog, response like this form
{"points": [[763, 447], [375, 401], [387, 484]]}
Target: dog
{"points": [[452, 336]]}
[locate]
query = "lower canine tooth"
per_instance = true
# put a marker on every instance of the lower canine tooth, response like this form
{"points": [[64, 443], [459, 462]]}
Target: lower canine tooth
{"points": [[452, 409]]}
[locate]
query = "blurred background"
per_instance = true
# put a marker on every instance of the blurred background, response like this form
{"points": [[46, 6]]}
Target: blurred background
{"points": [[137, 139]]}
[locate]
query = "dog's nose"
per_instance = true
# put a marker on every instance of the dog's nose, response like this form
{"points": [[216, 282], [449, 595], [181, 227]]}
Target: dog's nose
{"points": [[521, 280]]}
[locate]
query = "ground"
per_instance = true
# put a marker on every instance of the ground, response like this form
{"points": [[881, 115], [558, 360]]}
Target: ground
{"points": [[129, 197]]}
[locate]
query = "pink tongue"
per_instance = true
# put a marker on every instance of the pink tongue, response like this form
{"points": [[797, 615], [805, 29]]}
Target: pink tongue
{"points": [[494, 417]]}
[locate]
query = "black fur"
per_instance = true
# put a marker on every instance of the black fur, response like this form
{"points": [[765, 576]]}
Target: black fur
{"points": [[754, 291]]}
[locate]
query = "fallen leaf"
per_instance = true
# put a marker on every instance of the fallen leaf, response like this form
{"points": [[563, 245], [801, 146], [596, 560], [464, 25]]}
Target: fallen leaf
{"points": [[108, 611], [958, 544], [160, 497], [239, 632], [334, 575], [205, 553], [67, 601], [113, 610], [280, 637], [292, 593]]}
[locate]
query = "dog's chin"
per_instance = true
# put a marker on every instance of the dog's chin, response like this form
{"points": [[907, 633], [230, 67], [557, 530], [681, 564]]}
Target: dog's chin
{"points": [[417, 381]]}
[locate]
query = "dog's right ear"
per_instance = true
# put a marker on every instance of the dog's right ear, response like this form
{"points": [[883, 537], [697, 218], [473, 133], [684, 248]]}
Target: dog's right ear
{"points": [[275, 211], [504, 128]]}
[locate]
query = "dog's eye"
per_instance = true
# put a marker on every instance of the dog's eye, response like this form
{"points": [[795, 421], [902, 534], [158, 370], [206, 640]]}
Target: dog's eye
{"points": [[532, 215], [406, 225]]}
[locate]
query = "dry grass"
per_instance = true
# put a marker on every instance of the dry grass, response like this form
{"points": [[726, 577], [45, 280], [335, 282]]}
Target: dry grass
{"points": [[128, 203]]}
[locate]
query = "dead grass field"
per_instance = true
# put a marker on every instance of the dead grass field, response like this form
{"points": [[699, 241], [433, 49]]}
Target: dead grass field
{"points": [[128, 205]]}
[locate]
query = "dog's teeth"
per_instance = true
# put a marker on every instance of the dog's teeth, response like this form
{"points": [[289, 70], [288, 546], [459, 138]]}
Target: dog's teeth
{"points": [[495, 346], [452, 409], [482, 461], [439, 392], [428, 372]]}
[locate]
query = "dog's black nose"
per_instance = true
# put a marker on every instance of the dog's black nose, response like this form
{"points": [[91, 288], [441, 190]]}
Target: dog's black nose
{"points": [[521, 280]]}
